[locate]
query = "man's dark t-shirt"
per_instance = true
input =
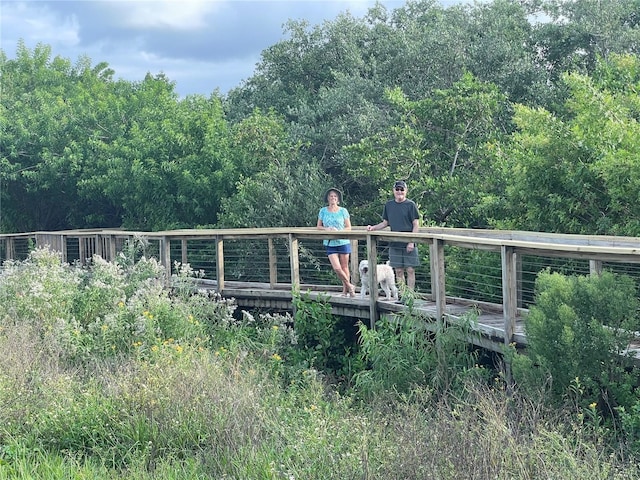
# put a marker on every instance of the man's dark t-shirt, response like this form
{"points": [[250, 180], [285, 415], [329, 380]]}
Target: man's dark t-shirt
{"points": [[400, 217]]}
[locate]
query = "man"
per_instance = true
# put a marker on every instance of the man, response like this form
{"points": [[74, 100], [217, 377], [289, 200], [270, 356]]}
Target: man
{"points": [[401, 215]]}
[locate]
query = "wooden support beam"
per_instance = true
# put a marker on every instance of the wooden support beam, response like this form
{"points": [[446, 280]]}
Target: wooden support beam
{"points": [[82, 251], [10, 247], [519, 280], [112, 248], [184, 258], [98, 245], [353, 262], [219, 264], [438, 280], [165, 258], [273, 263], [372, 256], [509, 292], [294, 261]]}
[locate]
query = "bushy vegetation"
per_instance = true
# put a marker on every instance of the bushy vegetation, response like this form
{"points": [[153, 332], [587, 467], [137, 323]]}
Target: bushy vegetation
{"points": [[106, 374], [578, 334], [520, 115], [495, 121]]}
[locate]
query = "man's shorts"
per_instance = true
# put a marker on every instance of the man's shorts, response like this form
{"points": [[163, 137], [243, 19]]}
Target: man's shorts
{"points": [[340, 249], [400, 258]]}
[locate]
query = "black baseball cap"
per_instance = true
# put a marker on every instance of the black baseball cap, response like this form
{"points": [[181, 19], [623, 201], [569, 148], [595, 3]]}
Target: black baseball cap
{"points": [[400, 184]]}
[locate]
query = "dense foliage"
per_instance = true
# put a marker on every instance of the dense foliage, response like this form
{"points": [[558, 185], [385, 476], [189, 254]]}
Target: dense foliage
{"points": [[107, 375], [506, 114], [510, 114], [578, 332]]}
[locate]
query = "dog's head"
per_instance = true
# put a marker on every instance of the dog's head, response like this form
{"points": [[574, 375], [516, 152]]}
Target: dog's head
{"points": [[363, 267]]}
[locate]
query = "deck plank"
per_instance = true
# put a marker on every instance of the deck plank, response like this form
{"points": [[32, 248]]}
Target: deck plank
{"points": [[487, 327]]}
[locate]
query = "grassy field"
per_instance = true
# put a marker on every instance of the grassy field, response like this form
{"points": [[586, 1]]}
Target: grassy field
{"points": [[106, 375]]}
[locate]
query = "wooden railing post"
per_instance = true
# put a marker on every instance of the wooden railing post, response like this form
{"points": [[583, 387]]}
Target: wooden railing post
{"points": [[520, 303], [98, 250], [184, 259], [63, 248], [438, 277], [165, 258], [112, 248], [432, 272], [294, 261], [273, 264], [353, 262], [219, 264], [10, 247], [372, 256], [509, 292], [82, 250]]}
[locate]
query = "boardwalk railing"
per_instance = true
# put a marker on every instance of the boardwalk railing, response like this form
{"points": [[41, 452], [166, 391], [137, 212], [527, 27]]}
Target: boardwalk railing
{"points": [[492, 269]]}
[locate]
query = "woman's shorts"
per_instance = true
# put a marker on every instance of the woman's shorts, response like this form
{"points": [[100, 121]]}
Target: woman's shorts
{"points": [[400, 258], [340, 249]]}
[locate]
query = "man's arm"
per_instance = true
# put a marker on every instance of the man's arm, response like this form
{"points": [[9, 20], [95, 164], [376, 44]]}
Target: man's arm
{"points": [[414, 229], [378, 226]]}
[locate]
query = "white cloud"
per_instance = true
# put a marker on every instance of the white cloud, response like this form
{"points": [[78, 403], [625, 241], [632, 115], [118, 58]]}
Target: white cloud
{"points": [[201, 45], [171, 14], [37, 23]]}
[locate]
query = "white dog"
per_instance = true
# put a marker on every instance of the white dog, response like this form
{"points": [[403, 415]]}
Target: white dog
{"points": [[386, 278]]}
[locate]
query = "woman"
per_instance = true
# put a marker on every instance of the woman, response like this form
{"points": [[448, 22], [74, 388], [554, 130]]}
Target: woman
{"points": [[333, 217]]}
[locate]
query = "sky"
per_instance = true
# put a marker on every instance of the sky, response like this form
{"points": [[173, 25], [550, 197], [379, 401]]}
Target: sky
{"points": [[201, 45]]}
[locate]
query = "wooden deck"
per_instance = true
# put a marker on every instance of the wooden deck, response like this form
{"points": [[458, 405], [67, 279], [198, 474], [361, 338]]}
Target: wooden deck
{"points": [[486, 322], [261, 267]]}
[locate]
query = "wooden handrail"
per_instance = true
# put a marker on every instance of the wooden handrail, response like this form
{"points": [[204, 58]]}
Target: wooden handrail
{"points": [[511, 245]]}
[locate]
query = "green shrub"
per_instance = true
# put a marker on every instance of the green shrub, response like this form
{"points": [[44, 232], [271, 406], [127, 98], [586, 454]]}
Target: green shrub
{"points": [[105, 311], [40, 289], [578, 332], [325, 342], [579, 328], [407, 351]]}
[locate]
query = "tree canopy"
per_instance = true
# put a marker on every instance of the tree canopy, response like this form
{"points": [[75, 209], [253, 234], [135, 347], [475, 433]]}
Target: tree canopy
{"points": [[498, 114]]}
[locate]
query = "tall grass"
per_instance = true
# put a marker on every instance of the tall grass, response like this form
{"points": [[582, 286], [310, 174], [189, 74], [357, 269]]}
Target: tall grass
{"points": [[188, 387]]}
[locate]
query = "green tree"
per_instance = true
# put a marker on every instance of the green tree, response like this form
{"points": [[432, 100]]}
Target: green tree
{"points": [[168, 167], [80, 150], [440, 147], [577, 173], [501, 49], [49, 108], [329, 83], [577, 333], [275, 185], [578, 33]]}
